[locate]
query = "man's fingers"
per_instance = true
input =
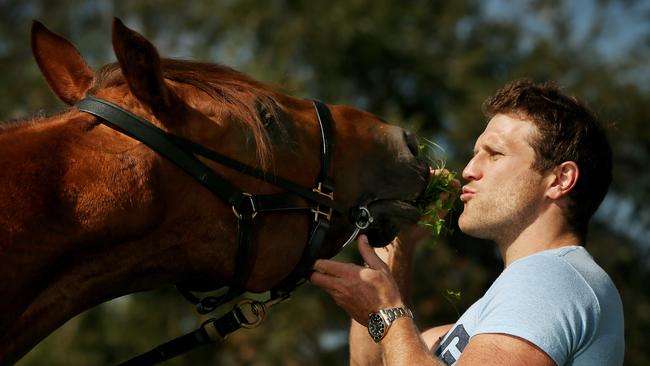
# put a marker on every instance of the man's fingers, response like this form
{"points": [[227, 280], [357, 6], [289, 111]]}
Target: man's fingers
{"points": [[334, 268], [325, 281], [368, 254]]}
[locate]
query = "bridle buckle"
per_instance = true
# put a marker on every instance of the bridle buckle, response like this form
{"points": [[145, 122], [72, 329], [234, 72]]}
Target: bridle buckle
{"points": [[317, 210], [253, 312], [250, 212], [319, 190]]}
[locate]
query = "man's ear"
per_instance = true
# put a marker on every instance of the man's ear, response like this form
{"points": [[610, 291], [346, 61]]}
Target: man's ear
{"points": [[563, 178]]}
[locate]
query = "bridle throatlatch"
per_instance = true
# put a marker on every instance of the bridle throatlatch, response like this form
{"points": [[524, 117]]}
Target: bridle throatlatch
{"points": [[318, 201]]}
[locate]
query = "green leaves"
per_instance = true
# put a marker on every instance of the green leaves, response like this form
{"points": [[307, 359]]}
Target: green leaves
{"points": [[440, 195]]}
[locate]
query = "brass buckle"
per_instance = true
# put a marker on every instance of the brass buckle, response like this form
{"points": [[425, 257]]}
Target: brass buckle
{"points": [[317, 211], [319, 190], [254, 313], [250, 199]]}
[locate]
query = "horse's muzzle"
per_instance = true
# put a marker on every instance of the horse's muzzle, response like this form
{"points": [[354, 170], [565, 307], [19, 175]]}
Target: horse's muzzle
{"points": [[390, 216]]}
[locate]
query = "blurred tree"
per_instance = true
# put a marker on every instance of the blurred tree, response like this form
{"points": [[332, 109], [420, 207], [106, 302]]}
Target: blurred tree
{"points": [[426, 65]]}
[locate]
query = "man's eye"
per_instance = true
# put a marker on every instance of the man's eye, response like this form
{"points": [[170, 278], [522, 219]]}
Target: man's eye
{"points": [[495, 155]]}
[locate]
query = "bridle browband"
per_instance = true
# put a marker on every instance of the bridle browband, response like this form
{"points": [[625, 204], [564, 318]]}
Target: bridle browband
{"points": [[318, 201]]}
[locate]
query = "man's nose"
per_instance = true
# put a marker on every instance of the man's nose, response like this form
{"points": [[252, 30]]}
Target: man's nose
{"points": [[471, 171]]}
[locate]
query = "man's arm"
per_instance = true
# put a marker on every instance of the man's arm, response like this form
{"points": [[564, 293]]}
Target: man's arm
{"points": [[402, 346], [398, 255], [358, 290], [364, 351], [492, 349], [433, 336]]}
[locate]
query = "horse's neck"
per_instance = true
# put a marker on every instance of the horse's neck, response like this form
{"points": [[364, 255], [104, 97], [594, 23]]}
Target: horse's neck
{"points": [[32, 160], [64, 202], [32, 163]]}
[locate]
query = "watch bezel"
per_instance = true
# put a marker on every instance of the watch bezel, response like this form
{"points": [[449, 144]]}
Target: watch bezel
{"points": [[383, 319], [376, 320]]}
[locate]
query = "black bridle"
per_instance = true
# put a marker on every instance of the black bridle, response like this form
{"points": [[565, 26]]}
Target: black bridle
{"points": [[318, 201]]}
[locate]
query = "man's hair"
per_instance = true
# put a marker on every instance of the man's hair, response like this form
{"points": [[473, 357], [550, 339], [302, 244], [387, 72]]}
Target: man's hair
{"points": [[567, 131]]}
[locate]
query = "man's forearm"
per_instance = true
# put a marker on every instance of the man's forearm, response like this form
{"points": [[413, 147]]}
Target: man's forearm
{"points": [[403, 346], [363, 350], [399, 257]]}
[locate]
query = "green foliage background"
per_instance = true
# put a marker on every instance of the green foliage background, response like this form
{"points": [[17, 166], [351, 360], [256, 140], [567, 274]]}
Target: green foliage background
{"points": [[426, 65]]}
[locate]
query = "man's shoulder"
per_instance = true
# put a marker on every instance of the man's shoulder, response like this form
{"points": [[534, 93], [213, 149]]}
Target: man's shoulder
{"points": [[569, 269], [551, 285], [553, 299], [537, 270]]}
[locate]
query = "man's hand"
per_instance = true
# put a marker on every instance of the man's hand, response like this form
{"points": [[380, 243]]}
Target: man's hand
{"points": [[358, 290]]}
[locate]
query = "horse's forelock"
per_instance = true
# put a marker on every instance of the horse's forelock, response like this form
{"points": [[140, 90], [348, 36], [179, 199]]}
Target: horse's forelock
{"points": [[238, 95]]}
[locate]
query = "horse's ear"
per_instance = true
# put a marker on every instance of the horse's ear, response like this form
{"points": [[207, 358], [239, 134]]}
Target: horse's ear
{"points": [[141, 67], [66, 72]]}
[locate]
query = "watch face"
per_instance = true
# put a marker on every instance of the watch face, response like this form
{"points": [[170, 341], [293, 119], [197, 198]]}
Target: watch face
{"points": [[376, 326]]}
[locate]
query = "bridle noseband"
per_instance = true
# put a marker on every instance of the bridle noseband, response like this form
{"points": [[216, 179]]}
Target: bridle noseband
{"points": [[318, 201]]}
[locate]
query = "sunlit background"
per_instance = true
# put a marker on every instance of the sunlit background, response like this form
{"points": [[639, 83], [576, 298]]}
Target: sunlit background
{"points": [[426, 65]]}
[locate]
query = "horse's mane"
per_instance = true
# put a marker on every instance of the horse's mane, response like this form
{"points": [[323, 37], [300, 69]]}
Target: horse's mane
{"points": [[239, 96], [15, 123]]}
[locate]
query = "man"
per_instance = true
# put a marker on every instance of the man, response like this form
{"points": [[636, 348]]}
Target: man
{"points": [[540, 170]]}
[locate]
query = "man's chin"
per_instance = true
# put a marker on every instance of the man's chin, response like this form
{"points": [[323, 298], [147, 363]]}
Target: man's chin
{"points": [[473, 228]]}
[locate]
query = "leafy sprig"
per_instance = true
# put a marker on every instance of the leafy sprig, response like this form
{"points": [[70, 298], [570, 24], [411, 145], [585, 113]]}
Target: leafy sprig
{"points": [[440, 195]]}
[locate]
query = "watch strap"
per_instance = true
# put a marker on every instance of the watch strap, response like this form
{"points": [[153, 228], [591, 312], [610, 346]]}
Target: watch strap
{"points": [[395, 313]]}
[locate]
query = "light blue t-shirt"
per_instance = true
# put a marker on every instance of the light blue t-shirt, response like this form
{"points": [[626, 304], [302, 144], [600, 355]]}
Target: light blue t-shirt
{"points": [[558, 299]]}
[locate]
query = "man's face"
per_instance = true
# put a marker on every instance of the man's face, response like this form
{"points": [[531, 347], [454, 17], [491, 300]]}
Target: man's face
{"points": [[503, 194]]}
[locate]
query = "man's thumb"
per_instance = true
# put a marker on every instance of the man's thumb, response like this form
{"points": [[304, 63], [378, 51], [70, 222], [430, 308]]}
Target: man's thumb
{"points": [[368, 254]]}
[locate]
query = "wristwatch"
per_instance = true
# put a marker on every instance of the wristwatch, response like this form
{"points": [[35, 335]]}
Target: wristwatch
{"points": [[379, 322]]}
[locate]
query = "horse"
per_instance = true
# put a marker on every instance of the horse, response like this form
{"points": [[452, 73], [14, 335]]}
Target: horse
{"points": [[89, 213]]}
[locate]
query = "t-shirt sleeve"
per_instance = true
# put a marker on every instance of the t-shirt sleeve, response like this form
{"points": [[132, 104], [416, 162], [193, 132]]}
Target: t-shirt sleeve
{"points": [[545, 301]]}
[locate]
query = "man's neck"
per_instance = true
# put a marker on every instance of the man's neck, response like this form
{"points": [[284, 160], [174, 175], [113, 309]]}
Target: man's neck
{"points": [[543, 234]]}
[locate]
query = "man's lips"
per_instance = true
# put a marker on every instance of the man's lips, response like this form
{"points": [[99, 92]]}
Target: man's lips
{"points": [[467, 194]]}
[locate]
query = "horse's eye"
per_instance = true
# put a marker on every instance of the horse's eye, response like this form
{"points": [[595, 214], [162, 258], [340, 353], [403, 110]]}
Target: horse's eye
{"points": [[267, 119], [266, 116]]}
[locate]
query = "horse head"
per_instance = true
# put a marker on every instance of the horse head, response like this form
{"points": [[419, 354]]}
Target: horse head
{"points": [[121, 218]]}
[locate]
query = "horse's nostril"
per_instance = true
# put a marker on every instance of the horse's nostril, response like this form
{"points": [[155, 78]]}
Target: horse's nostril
{"points": [[412, 142]]}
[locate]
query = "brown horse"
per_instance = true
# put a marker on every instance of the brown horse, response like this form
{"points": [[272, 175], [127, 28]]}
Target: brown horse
{"points": [[88, 214]]}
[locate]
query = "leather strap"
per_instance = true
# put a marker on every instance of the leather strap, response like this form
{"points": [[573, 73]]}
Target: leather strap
{"points": [[312, 252], [265, 176], [211, 331], [179, 151], [327, 143], [314, 249], [243, 263], [158, 141], [246, 206]]}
